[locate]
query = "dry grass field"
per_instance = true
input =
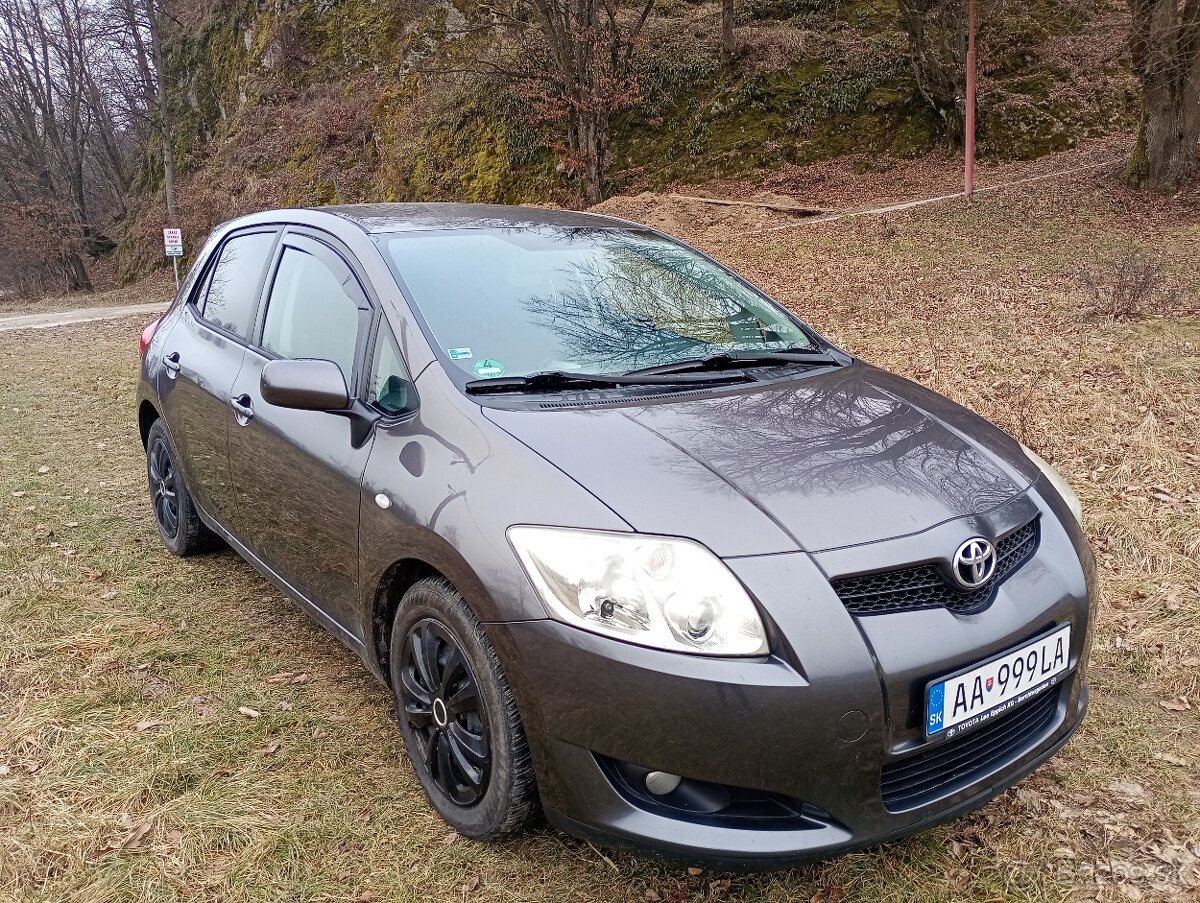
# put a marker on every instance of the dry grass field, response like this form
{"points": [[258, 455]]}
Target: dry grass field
{"points": [[177, 730]]}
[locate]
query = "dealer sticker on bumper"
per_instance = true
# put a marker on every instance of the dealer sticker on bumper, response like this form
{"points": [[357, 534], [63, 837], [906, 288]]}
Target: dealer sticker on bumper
{"points": [[986, 690]]}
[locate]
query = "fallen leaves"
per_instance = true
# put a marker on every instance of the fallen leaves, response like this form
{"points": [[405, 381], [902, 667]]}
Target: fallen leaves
{"points": [[1172, 760], [469, 885], [835, 893], [150, 724], [135, 833], [1127, 790], [249, 712], [1176, 704], [271, 748]]}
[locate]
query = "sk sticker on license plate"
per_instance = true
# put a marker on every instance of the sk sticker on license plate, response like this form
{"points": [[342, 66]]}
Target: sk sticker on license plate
{"points": [[983, 691]]}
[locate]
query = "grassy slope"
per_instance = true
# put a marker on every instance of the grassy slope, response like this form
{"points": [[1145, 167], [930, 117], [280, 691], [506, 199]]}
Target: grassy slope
{"points": [[122, 670]]}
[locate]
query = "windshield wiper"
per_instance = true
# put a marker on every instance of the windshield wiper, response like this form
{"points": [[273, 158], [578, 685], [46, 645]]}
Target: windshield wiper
{"points": [[551, 380], [740, 359]]}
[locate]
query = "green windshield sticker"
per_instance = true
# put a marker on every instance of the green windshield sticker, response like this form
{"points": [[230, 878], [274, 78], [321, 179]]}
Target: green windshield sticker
{"points": [[487, 368]]}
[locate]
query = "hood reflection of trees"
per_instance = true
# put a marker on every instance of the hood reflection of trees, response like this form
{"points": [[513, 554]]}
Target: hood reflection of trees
{"points": [[834, 433]]}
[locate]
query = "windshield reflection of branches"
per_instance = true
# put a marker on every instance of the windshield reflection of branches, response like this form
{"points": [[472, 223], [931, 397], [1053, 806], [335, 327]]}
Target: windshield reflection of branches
{"points": [[836, 435], [629, 304]]}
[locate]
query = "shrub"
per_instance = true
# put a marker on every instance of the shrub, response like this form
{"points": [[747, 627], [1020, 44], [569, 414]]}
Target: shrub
{"points": [[1129, 286]]}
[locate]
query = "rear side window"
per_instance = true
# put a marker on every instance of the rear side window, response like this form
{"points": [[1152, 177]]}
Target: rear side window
{"points": [[310, 313], [232, 299], [201, 292]]}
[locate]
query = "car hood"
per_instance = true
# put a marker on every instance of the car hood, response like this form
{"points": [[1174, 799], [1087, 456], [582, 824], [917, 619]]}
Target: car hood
{"points": [[842, 457]]}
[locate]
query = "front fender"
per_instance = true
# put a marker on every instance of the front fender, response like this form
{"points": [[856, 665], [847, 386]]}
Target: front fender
{"points": [[451, 483]]}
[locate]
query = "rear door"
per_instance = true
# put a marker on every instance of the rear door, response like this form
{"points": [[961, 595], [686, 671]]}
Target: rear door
{"points": [[298, 473], [202, 356]]}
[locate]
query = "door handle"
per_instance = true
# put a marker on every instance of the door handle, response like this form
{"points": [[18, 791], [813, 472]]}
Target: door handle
{"points": [[242, 408], [171, 362]]}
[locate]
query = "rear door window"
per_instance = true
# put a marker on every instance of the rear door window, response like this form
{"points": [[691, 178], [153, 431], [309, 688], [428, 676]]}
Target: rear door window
{"points": [[236, 281]]}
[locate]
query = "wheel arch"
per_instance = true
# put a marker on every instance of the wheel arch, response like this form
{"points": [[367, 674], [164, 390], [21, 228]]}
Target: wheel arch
{"points": [[147, 414], [430, 556], [393, 584]]}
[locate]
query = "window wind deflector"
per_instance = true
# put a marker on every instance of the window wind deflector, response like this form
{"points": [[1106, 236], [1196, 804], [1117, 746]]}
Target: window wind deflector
{"points": [[739, 359], [552, 380]]}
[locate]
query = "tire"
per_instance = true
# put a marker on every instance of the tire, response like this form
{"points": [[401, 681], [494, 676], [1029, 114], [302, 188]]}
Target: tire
{"points": [[458, 716], [179, 524]]}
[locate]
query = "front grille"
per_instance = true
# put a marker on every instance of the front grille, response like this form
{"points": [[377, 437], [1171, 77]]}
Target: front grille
{"points": [[955, 764], [923, 586]]}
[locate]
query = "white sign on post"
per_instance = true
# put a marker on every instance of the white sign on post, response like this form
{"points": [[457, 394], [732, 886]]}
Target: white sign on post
{"points": [[173, 244]]}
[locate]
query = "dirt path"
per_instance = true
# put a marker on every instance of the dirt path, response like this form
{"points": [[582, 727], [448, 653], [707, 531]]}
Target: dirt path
{"points": [[82, 315]]}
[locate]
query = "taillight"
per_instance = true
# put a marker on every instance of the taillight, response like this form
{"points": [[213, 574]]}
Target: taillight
{"points": [[147, 335]]}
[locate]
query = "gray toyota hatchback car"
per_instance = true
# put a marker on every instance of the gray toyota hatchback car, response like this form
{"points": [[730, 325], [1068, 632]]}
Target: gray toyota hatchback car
{"points": [[630, 544]]}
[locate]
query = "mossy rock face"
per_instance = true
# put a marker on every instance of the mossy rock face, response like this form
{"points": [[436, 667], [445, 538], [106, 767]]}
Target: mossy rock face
{"points": [[477, 150], [729, 124], [1023, 132]]}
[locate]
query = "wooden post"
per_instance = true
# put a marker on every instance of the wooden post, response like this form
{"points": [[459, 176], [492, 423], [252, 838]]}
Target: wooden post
{"points": [[969, 137]]}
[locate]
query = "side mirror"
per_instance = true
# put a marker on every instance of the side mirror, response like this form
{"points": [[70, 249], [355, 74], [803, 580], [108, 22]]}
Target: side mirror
{"points": [[307, 385]]}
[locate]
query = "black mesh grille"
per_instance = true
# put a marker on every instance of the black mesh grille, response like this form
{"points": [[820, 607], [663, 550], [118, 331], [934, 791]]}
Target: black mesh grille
{"points": [[923, 586], [937, 772]]}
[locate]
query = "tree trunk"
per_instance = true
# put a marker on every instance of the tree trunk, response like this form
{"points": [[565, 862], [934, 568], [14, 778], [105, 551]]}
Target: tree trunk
{"points": [[76, 272], [1164, 157], [937, 35], [589, 149], [164, 114], [1165, 45], [727, 27]]}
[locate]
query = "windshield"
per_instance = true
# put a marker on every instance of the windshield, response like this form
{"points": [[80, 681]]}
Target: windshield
{"points": [[511, 302]]}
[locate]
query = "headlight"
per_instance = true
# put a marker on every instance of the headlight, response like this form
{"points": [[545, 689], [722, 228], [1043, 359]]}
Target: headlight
{"points": [[667, 593], [1057, 481]]}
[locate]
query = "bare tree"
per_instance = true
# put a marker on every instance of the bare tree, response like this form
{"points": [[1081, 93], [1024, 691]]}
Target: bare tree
{"points": [[161, 106], [727, 27], [1165, 42], [575, 57], [937, 34], [66, 143]]}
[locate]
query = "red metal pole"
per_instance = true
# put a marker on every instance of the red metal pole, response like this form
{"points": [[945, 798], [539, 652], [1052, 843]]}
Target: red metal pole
{"points": [[969, 137]]}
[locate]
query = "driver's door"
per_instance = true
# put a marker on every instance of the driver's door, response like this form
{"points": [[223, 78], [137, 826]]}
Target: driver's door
{"points": [[297, 473]]}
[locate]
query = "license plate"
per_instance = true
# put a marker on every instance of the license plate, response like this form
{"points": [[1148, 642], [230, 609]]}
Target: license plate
{"points": [[964, 700]]}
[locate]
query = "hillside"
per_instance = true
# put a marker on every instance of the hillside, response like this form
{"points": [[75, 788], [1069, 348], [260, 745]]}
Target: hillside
{"points": [[298, 102]]}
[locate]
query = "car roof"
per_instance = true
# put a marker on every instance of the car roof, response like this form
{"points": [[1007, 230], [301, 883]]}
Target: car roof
{"points": [[415, 217]]}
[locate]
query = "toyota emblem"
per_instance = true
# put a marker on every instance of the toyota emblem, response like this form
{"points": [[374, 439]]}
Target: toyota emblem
{"points": [[974, 562]]}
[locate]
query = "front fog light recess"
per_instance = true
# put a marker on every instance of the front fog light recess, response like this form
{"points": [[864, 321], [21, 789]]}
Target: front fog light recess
{"points": [[655, 591]]}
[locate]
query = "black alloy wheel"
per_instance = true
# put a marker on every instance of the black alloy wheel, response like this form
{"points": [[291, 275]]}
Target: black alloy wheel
{"points": [[179, 524], [458, 715], [445, 711], [162, 487]]}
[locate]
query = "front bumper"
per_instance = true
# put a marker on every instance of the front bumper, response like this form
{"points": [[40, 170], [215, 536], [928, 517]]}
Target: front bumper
{"points": [[817, 721]]}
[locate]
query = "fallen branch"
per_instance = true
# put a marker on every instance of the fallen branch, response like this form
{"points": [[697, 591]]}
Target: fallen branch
{"points": [[797, 209]]}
